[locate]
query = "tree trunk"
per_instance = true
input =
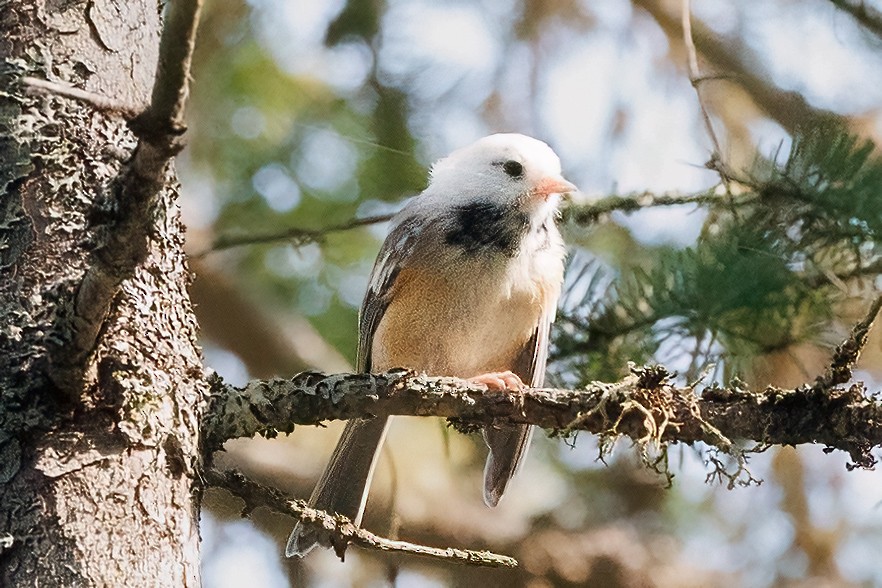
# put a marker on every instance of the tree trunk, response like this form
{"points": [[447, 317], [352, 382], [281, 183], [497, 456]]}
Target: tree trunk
{"points": [[97, 487]]}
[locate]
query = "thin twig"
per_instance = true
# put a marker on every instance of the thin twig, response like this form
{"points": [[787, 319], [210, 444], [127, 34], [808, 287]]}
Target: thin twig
{"points": [[296, 236], [696, 79], [577, 213], [591, 212], [846, 354], [337, 530], [96, 101]]}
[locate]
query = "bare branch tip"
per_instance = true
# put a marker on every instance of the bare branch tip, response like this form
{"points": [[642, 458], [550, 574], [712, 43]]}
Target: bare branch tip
{"points": [[695, 80], [847, 353], [294, 236], [97, 101], [339, 532]]}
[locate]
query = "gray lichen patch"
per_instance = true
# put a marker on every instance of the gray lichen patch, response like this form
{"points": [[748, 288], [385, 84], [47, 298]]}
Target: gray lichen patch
{"points": [[59, 161]]}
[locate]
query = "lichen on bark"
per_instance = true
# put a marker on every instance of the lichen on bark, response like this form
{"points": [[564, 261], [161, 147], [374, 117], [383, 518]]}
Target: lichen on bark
{"points": [[99, 484]]}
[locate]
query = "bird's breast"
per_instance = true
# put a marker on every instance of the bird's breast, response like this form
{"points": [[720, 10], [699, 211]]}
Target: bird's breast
{"points": [[466, 322]]}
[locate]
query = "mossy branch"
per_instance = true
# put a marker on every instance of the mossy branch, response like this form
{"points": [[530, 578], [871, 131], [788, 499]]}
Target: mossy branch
{"points": [[644, 406]]}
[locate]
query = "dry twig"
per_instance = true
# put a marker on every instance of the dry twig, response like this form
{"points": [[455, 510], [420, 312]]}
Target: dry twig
{"points": [[338, 531], [696, 79], [846, 354], [578, 213], [96, 101]]}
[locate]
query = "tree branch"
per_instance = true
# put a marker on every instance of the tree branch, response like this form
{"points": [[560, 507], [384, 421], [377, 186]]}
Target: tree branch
{"points": [[585, 214], [646, 406], [337, 530], [696, 79], [577, 213], [296, 236], [126, 237], [790, 109], [96, 101]]}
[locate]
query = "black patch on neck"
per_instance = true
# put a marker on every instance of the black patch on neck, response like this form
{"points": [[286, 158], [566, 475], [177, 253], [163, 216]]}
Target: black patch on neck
{"points": [[485, 226]]}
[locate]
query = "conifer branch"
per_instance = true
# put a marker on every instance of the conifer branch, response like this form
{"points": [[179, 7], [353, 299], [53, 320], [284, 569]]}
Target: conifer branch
{"points": [[837, 417]]}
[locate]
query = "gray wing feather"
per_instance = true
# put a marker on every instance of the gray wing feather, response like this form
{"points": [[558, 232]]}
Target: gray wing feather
{"points": [[508, 445], [343, 487]]}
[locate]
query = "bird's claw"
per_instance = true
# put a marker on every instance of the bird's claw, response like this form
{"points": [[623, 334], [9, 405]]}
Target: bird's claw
{"points": [[504, 381]]}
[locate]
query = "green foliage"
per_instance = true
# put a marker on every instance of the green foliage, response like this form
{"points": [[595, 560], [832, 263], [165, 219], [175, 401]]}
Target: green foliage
{"points": [[759, 278], [827, 189], [260, 132]]}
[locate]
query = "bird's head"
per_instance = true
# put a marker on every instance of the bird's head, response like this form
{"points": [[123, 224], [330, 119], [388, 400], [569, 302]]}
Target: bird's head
{"points": [[498, 196], [506, 169]]}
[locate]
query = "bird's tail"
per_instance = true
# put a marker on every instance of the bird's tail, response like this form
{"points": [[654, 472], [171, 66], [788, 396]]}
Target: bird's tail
{"points": [[343, 488], [508, 447]]}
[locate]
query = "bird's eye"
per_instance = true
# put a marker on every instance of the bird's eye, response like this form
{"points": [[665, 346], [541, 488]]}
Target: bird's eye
{"points": [[513, 168]]}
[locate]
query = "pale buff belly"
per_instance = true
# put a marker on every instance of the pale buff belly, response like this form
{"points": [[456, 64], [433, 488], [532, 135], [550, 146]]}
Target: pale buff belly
{"points": [[454, 327]]}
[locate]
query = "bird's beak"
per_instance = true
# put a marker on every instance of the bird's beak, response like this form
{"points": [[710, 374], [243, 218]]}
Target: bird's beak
{"points": [[553, 185]]}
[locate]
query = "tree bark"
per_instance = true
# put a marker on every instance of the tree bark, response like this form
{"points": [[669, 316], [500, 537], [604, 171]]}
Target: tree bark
{"points": [[98, 483]]}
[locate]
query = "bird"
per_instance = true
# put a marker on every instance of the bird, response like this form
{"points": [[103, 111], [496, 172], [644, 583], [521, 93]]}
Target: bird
{"points": [[465, 284]]}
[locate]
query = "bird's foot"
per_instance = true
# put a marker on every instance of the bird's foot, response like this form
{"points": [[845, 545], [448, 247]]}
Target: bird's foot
{"points": [[499, 381]]}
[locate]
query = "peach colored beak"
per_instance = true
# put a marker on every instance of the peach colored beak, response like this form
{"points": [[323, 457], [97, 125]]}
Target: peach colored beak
{"points": [[553, 185]]}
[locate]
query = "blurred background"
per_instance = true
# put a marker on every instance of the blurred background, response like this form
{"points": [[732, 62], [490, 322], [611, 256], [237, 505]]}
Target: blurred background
{"points": [[306, 114]]}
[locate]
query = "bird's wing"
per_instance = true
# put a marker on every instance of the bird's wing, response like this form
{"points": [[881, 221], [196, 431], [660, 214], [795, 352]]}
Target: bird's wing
{"points": [[508, 445], [531, 363], [397, 249], [343, 487]]}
